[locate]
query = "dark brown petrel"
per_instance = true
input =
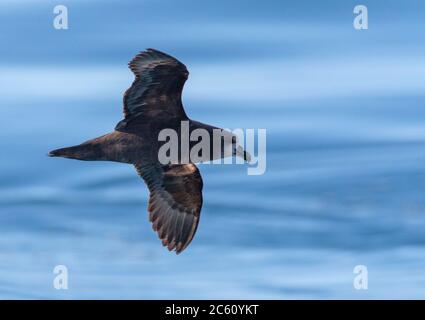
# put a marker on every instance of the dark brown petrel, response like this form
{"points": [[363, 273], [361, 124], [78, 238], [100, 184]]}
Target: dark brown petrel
{"points": [[152, 103]]}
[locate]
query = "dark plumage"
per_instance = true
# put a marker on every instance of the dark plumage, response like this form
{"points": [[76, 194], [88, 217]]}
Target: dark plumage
{"points": [[152, 103]]}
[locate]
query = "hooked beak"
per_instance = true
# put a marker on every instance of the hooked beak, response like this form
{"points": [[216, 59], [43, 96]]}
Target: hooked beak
{"points": [[240, 152]]}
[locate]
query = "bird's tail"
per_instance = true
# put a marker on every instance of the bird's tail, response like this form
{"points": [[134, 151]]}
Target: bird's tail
{"points": [[86, 151]]}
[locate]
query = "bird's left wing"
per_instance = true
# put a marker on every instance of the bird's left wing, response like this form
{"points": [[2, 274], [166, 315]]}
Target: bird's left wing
{"points": [[156, 90], [175, 202]]}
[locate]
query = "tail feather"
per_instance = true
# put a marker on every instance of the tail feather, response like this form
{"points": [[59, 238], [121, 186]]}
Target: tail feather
{"points": [[85, 151]]}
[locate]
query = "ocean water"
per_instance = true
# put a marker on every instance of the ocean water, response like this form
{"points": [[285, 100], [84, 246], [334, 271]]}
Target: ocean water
{"points": [[345, 179]]}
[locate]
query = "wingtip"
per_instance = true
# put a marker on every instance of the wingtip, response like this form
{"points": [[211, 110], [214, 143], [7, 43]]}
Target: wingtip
{"points": [[172, 246], [152, 50], [179, 251]]}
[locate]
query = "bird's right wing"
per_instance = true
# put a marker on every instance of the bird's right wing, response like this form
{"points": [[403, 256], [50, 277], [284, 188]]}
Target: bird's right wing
{"points": [[156, 90], [175, 202]]}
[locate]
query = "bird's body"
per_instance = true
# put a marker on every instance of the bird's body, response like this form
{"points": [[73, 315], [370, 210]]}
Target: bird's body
{"points": [[152, 104], [129, 147]]}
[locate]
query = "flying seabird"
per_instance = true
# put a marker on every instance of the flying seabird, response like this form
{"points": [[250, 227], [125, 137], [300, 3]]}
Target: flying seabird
{"points": [[151, 104]]}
